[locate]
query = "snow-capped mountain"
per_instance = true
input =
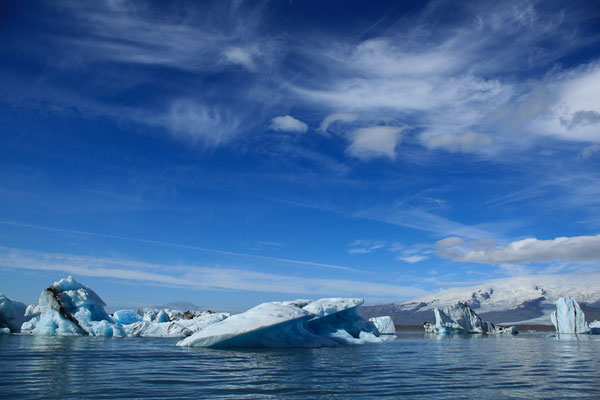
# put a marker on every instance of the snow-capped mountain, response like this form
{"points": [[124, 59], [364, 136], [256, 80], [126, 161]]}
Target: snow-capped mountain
{"points": [[522, 299]]}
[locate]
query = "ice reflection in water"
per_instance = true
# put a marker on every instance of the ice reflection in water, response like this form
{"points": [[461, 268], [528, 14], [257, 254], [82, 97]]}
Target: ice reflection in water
{"points": [[413, 366]]}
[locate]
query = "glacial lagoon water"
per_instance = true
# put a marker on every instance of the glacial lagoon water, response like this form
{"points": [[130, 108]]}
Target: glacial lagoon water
{"points": [[531, 365]]}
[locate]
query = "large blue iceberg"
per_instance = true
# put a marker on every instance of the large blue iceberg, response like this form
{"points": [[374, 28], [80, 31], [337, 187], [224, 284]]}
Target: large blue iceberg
{"points": [[302, 323], [569, 318], [459, 318], [12, 315], [385, 325], [68, 308]]}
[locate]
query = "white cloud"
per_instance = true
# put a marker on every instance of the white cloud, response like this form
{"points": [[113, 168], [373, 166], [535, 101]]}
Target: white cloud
{"points": [[288, 123], [574, 113], [468, 142], [577, 248], [373, 142], [412, 259], [449, 242], [365, 246], [589, 151], [198, 277], [335, 117], [417, 218], [243, 57], [209, 125], [407, 254]]}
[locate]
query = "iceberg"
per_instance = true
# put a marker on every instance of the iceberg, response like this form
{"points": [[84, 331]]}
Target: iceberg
{"points": [[12, 315], [126, 317], [595, 327], [68, 308], [321, 323], [459, 318], [568, 317], [429, 327], [162, 316], [176, 329], [385, 325]]}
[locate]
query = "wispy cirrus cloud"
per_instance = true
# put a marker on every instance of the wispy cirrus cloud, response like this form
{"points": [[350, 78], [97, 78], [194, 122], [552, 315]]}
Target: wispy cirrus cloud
{"points": [[198, 277], [409, 254], [458, 85]]}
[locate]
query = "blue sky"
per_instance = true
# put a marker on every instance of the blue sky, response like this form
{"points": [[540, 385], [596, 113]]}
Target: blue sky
{"points": [[228, 153]]}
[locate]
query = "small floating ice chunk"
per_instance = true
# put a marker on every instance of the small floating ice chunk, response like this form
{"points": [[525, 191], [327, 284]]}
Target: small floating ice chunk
{"points": [[568, 317], [429, 327], [385, 325], [595, 327], [70, 308]]}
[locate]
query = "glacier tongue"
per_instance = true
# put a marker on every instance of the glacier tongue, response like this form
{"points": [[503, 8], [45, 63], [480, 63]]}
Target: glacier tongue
{"points": [[70, 308], [568, 317], [459, 318], [325, 322]]}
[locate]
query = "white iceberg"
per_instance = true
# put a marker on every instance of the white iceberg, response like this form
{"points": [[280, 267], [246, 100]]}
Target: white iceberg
{"points": [[568, 317], [385, 325], [68, 308], [176, 329], [429, 327], [595, 327], [325, 322], [459, 318], [175, 315], [12, 315]]}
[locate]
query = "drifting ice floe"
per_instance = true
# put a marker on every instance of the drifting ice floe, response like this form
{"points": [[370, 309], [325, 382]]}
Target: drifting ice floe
{"points": [[325, 322], [68, 308], [12, 315], [568, 317], [459, 318], [385, 325]]}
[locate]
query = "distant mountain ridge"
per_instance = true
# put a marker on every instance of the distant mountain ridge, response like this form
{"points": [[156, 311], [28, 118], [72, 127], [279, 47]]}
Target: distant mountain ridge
{"points": [[527, 299]]}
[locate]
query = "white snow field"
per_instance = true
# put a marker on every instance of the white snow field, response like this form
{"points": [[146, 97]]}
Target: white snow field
{"points": [[320, 323], [459, 318], [385, 325], [568, 317], [68, 308]]}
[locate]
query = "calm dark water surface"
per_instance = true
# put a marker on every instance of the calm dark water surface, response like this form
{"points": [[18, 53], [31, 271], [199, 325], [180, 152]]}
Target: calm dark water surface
{"points": [[412, 366]]}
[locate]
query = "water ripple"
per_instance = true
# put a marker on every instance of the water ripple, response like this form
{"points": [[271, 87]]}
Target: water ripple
{"points": [[413, 366]]}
